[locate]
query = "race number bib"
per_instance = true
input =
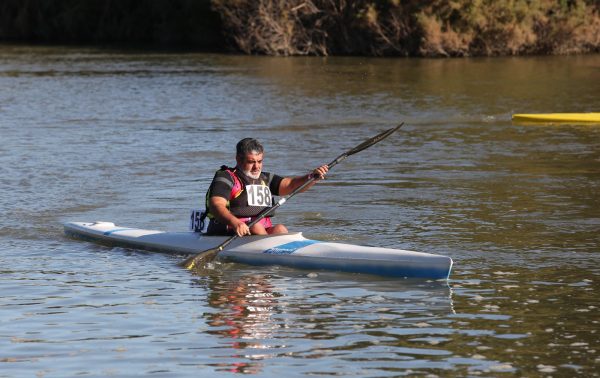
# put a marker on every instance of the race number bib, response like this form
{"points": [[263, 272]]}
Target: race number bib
{"points": [[258, 195], [197, 218]]}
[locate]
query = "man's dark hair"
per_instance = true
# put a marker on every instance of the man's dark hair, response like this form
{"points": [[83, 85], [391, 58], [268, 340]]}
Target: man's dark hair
{"points": [[248, 145]]}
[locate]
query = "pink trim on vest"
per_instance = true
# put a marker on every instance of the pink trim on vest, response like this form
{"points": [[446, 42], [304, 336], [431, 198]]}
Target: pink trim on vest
{"points": [[237, 188]]}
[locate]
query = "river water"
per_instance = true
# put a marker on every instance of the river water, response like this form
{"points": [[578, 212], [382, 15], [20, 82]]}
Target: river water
{"points": [[134, 138]]}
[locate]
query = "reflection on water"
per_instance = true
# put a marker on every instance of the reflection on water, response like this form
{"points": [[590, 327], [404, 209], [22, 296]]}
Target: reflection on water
{"points": [[244, 318], [135, 139], [266, 318], [270, 321]]}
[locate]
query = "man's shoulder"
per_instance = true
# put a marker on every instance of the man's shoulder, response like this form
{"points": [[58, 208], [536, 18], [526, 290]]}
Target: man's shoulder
{"points": [[224, 176], [223, 173]]}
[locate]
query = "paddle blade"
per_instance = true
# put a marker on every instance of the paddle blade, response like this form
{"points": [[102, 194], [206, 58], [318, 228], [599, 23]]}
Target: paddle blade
{"points": [[201, 259], [377, 138]]}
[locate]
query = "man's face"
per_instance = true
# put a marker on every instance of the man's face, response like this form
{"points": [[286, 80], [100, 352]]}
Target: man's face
{"points": [[251, 164]]}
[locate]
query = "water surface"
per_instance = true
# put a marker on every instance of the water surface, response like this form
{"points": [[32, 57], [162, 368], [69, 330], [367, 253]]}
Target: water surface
{"points": [[134, 138]]}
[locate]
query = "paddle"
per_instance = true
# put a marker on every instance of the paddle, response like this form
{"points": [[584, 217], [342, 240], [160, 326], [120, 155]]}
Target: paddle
{"points": [[208, 255]]}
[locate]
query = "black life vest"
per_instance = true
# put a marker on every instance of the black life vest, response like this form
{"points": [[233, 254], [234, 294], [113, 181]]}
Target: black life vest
{"points": [[248, 196]]}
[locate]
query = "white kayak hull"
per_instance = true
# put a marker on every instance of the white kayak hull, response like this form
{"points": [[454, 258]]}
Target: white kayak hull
{"points": [[292, 249]]}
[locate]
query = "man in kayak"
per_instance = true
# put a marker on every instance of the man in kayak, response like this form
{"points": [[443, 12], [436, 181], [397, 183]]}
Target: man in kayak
{"points": [[237, 195]]}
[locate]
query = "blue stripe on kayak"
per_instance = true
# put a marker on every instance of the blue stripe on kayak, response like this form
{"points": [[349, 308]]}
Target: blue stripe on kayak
{"points": [[108, 233], [289, 248]]}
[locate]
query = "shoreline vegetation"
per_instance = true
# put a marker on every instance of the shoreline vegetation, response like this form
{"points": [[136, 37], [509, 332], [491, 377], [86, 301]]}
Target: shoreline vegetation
{"points": [[407, 28]]}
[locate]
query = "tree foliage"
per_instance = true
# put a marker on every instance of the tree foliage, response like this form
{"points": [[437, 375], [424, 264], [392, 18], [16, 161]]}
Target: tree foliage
{"points": [[412, 27], [315, 27]]}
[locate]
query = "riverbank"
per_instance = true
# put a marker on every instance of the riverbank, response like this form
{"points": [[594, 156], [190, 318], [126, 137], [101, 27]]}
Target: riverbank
{"points": [[433, 28]]}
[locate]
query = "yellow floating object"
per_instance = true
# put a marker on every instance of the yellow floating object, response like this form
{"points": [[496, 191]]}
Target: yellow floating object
{"points": [[558, 117]]}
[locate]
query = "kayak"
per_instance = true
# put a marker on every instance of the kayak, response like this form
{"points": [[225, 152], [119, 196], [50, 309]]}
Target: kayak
{"points": [[558, 117], [291, 249]]}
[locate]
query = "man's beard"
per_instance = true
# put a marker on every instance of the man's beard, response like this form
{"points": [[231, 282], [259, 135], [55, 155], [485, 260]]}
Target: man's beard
{"points": [[251, 175]]}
